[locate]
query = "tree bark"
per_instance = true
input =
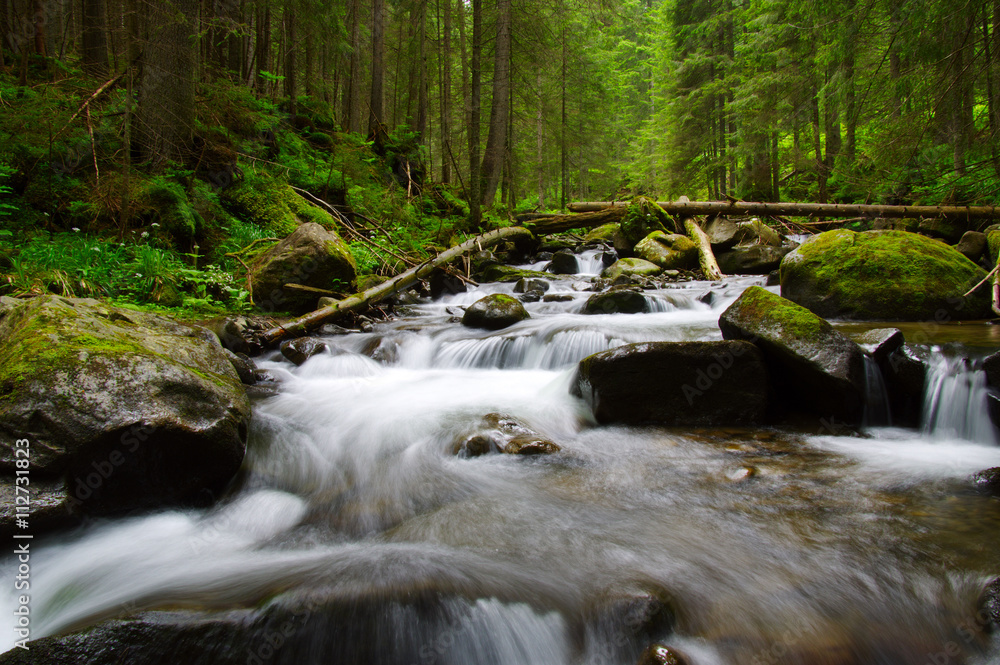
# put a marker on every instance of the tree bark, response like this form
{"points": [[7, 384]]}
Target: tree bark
{"points": [[475, 183], [165, 119], [376, 123], [291, 48], [398, 283], [560, 223], [496, 142], [445, 56], [95, 39], [706, 258]]}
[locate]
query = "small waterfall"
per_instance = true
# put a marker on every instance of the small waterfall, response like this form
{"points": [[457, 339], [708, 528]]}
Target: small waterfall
{"points": [[591, 262], [877, 411], [955, 402]]}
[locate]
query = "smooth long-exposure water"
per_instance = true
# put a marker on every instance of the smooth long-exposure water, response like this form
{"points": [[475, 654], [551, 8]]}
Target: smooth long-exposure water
{"points": [[746, 545]]}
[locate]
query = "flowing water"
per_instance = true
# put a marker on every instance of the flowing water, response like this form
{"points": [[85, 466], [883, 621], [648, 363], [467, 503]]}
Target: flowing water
{"points": [[731, 545]]}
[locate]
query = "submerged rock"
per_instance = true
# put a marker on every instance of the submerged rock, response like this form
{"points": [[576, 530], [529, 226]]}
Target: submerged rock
{"points": [[660, 654], [494, 312], [987, 481], [525, 285], [883, 276], [989, 605], [123, 409], [301, 349], [881, 342], [814, 366], [311, 256], [501, 433], [564, 262], [676, 383], [631, 267], [243, 365], [619, 300]]}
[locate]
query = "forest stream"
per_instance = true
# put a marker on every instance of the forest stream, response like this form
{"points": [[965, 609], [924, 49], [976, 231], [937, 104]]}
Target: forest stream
{"points": [[766, 545]]}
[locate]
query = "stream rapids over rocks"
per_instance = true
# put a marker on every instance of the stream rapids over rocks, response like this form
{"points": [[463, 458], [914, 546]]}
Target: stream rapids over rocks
{"points": [[355, 520]]}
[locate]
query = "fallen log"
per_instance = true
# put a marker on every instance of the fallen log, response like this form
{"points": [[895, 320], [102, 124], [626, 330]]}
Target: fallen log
{"points": [[802, 209], [706, 257], [400, 282], [560, 223]]}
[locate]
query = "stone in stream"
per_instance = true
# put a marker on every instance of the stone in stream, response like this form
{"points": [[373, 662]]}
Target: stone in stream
{"points": [[676, 383], [813, 366], [879, 343], [670, 251], [527, 284], [660, 654], [989, 606], [301, 349], [564, 262], [243, 365], [723, 233], [883, 276], [494, 312], [752, 260], [602, 234], [987, 481], [631, 267], [617, 300], [501, 433], [991, 365], [123, 409], [311, 256]]}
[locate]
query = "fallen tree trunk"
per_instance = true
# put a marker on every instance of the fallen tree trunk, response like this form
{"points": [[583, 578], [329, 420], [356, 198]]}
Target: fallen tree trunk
{"points": [[802, 209], [398, 283], [560, 223], [706, 257]]}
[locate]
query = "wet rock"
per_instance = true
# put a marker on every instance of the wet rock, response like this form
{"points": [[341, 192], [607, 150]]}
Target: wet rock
{"points": [[331, 330], [905, 377], [233, 333], [881, 342], [525, 285], [301, 349], [773, 278], [443, 283], [947, 229], [558, 297], [676, 383], [384, 350], [543, 256], [501, 433], [243, 365], [972, 245], [564, 262], [127, 409], [659, 654], [752, 260], [631, 267], [501, 273], [670, 251], [991, 365], [530, 296], [608, 257], [494, 312], [883, 276], [617, 301], [989, 605], [480, 260], [987, 481], [725, 234], [813, 365], [311, 256]]}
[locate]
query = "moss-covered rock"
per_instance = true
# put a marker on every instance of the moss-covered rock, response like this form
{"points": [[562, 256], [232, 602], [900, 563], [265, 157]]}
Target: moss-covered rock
{"points": [[883, 276], [494, 312], [814, 366], [676, 383], [311, 256], [670, 251], [604, 233], [273, 205], [122, 409], [631, 267], [497, 272], [617, 301], [642, 218]]}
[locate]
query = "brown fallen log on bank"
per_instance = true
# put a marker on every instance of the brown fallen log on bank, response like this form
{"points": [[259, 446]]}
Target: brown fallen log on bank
{"points": [[561, 223], [737, 208], [400, 282], [706, 257]]}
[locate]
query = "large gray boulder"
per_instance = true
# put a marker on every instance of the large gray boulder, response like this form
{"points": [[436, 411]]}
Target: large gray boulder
{"points": [[121, 409], [676, 383], [311, 256], [494, 312], [751, 260], [724, 233], [815, 367]]}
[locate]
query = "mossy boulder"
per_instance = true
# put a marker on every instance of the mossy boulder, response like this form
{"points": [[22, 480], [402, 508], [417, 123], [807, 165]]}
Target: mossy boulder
{"points": [[122, 409], [494, 312], [312, 256], [273, 206], [632, 267], [670, 251], [496, 272], [883, 276], [676, 383], [642, 218], [814, 366], [602, 234]]}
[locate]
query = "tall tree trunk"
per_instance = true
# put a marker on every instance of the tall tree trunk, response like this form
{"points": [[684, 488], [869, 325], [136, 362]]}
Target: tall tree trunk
{"points": [[262, 45], [166, 100], [38, 16], [95, 40], [833, 137], [445, 59], [539, 141], [475, 210], [310, 63], [562, 124], [496, 141], [376, 120], [992, 100], [352, 92], [421, 126], [850, 98], [291, 49], [821, 173]]}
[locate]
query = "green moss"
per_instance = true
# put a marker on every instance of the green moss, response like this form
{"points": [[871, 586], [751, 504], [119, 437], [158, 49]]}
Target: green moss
{"points": [[631, 266], [781, 314], [603, 233], [273, 205], [501, 273], [642, 218], [993, 240], [880, 275]]}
